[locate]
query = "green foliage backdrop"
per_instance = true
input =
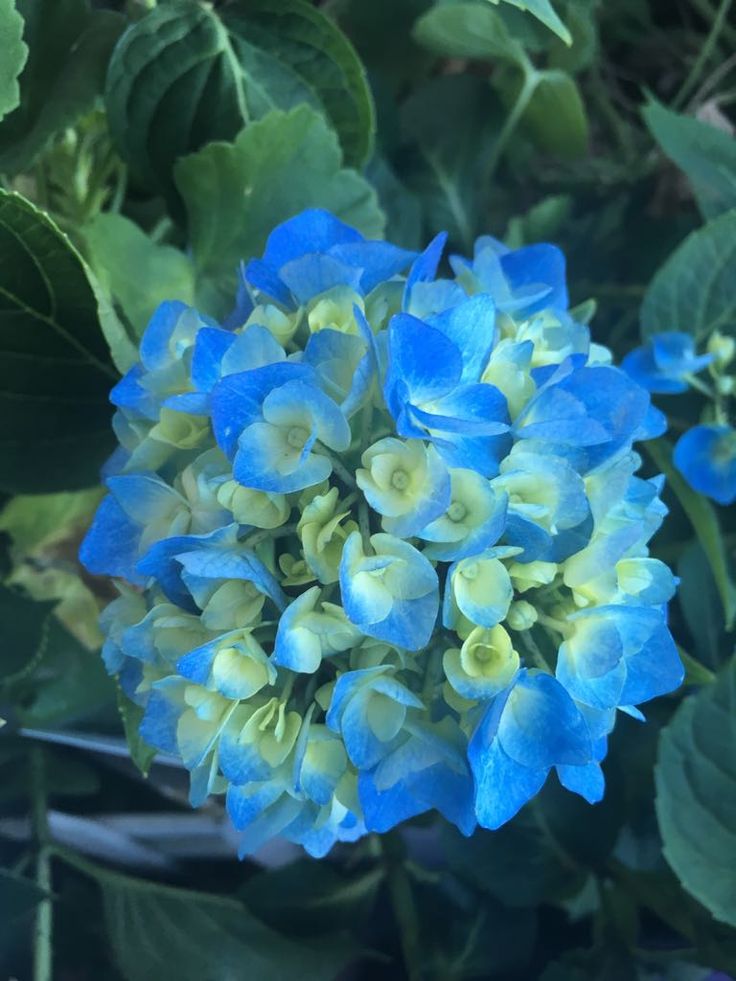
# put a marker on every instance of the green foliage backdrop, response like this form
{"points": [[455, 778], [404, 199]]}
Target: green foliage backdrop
{"points": [[145, 150]]}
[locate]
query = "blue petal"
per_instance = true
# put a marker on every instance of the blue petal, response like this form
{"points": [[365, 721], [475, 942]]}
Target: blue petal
{"points": [[376, 261], [502, 786], [110, 547], [423, 363], [425, 266], [541, 725], [471, 328], [237, 399], [310, 275], [209, 350], [313, 230], [537, 265], [706, 457], [587, 781]]}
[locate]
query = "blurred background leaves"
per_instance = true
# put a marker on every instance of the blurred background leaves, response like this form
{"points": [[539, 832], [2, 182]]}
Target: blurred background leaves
{"points": [[145, 149]]}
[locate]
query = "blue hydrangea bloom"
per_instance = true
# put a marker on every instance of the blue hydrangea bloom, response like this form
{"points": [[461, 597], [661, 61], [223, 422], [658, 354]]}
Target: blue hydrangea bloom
{"points": [[379, 540], [706, 457]]}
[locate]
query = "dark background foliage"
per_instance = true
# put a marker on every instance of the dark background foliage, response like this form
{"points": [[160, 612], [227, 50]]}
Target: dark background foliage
{"points": [[131, 134]]}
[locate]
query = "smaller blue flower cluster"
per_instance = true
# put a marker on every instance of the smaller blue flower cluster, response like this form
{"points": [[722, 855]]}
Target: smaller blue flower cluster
{"points": [[379, 539], [706, 454]]}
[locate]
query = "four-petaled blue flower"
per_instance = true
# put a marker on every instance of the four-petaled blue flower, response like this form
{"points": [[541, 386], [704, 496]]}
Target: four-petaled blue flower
{"points": [[706, 457], [664, 364]]}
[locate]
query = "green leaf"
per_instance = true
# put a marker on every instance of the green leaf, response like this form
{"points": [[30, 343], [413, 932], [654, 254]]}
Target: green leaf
{"points": [[695, 290], [704, 520], [18, 899], [24, 633], [467, 30], [452, 120], [55, 373], [541, 223], [69, 48], [581, 53], [311, 897], [660, 892], [555, 117], [701, 605], [707, 156], [186, 75], [235, 193], [136, 272], [41, 520], [401, 207], [131, 714], [521, 864], [14, 57], [65, 776], [71, 683], [159, 932], [695, 778], [545, 12]]}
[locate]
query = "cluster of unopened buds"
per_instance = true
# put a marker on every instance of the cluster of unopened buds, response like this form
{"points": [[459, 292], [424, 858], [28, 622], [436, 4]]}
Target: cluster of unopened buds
{"points": [[380, 542]]}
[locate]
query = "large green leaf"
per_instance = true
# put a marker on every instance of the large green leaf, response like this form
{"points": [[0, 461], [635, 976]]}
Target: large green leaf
{"points": [[467, 30], [14, 56], [544, 12], [521, 864], [696, 794], [235, 193], [159, 932], [136, 272], [695, 290], [55, 373], [707, 156], [186, 75], [69, 48]]}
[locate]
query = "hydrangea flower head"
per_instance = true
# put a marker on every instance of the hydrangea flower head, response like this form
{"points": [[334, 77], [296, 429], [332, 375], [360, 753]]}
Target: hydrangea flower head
{"points": [[380, 543]]}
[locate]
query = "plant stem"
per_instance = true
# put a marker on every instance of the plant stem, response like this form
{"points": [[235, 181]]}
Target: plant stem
{"points": [[364, 525], [708, 13], [42, 933], [402, 902], [531, 80], [342, 472], [693, 77]]}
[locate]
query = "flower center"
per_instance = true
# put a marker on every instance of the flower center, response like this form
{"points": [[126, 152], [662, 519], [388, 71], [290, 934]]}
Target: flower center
{"points": [[400, 480], [456, 511], [297, 437]]}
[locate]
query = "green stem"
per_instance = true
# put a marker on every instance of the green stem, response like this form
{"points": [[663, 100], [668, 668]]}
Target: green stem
{"points": [[531, 80], [43, 928], [707, 11], [268, 533], [719, 22], [402, 903], [364, 524], [342, 472]]}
